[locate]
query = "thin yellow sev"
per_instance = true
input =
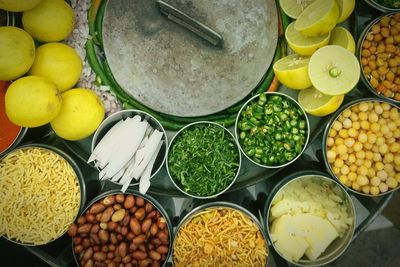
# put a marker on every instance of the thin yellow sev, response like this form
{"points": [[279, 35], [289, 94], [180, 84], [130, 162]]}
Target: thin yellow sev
{"points": [[39, 195], [220, 237]]}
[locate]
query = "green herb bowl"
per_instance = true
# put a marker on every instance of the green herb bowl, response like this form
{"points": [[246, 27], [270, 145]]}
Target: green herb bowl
{"points": [[202, 161], [267, 134], [380, 7]]}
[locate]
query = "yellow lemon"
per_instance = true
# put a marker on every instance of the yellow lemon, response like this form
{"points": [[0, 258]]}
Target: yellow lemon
{"points": [[59, 63], [80, 115], [318, 104], [32, 101], [318, 18], [304, 45], [342, 37], [333, 70], [49, 21], [292, 71], [17, 52], [346, 7], [293, 8], [18, 5]]}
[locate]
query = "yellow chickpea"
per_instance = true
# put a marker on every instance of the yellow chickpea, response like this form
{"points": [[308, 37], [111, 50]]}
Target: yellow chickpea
{"points": [[373, 117], [357, 146], [341, 149], [385, 114], [331, 156], [360, 154], [390, 140], [383, 149], [353, 168], [369, 155], [367, 163], [363, 116], [364, 125], [355, 186], [345, 170], [354, 117], [371, 138], [338, 163], [352, 176], [388, 168], [394, 114], [396, 160], [356, 125], [371, 172], [392, 182], [339, 141], [343, 133], [382, 175], [375, 127], [349, 142], [388, 158], [367, 146], [383, 187], [385, 106], [336, 170], [352, 132], [392, 126], [375, 148], [351, 159], [344, 157], [362, 180], [359, 162], [379, 166], [343, 179], [375, 181], [365, 189], [363, 107], [362, 137], [347, 123], [362, 170], [374, 190], [337, 125], [330, 142], [332, 132], [378, 109], [380, 140], [377, 157], [397, 177], [396, 133]]}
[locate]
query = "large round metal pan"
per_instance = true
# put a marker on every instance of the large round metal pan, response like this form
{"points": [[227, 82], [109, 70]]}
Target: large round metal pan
{"points": [[172, 70]]}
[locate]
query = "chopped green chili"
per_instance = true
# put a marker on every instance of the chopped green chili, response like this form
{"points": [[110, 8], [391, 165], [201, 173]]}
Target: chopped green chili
{"points": [[272, 130], [203, 159]]}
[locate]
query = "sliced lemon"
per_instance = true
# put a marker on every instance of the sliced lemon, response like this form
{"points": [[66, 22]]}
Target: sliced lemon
{"points": [[318, 104], [292, 71], [293, 8], [333, 70], [318, 18], [346, 7], [304, 45], [342, 37]]}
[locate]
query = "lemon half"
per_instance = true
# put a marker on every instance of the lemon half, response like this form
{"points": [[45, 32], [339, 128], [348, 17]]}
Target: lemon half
{"points": [[318, 104], [334, 70], [304, 45], [293, 8], [346, 7], [292, 71], [342, 37], [318, 18]]}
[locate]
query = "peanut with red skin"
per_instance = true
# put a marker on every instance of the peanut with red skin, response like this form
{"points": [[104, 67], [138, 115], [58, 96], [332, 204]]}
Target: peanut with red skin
{"points": [[119, 198], [162, 249], [154, 229], [112, 225], [89, 263], [140, 202], [86, 242], [146, 225], [100, 256], [133, 209], [151, 214], [104, 235], [81, 220], [87, 254], [96, 208], [73, 229], [142, 247], [95, 228], [104, 248], [130, 236], [129, 202], [140, 214], [106, 215], [155, 264], [84, 229], [127, 259], [77, 240], [109, 200], [139, 239], [95, 239], [154, 255], [117, 206], [163, 236], [113, 238], [111, 264], [78, 249], [118, 215], [124, 230], [126, 219], [139, 255], [122, 249], [110, 255], [111, 247], [90, 217], [134, 225], [148, 207], [144, 263]]}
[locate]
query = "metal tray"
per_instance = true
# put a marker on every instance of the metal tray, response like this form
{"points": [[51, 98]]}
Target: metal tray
{"points": [[261, 181]]}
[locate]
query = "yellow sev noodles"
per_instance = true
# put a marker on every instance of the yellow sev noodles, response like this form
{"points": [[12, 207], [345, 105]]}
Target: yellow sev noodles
{"points": [[219, 237], [39, 195]]}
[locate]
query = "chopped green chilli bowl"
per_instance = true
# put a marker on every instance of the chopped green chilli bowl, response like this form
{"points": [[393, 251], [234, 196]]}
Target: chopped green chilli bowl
{"points": [[203, 160], [272, 130]]}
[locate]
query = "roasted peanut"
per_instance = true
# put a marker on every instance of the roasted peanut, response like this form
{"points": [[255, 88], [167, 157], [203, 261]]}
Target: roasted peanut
{"points": [[142, 247], [103, 226], [96, 248], [98, 216], [109, 200], [95, 239], [111, 264], [139, 255], [140, 202], [124, 230], [151, 214], [129, 264], [89, 263], [110, 255], [95, 228], [104, 248], [133, 209], [144, 263], [117, 259], [100, 256], [113, 238], [139, 239], [162, 249], [156, 241], [122, 249], [150, 246], [72, 230], [155, 264], [112, 225], [163, 236], [96, 208], [129, 202], [134, 225], [120, 237], [111, 247], [140, 214], [106, 215], [126, 219], [90, 217], [118, 215], [100, 264], [117, 206], [154, 255], [161, 223], [133, 247], [81, 220], [130, 236], [104, 235], [87, 254], [84, 229], [119, 198], [77, 240], [146, 225], [154, 229], [148, 207], [127, 259], [86, 242], [78, 249]]}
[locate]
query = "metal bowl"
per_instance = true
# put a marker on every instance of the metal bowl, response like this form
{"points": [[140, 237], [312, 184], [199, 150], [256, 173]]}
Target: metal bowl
{"points": [[380, 7], [79, 175], [291, 100], [146, 197], [216, 205], [358, 54], [177, 183], [325, 138], [340, 244], [110, 121]]}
